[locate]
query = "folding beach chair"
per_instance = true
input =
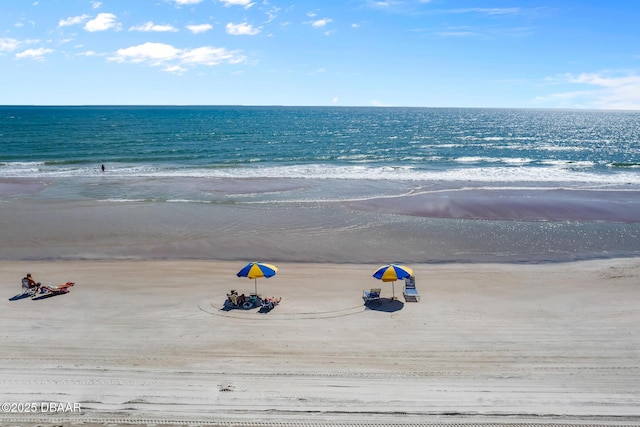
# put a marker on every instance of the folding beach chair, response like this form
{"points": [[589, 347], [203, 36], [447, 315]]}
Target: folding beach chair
{"points": [[410, 292], [56, 290], [29, 288], [372, 295]]}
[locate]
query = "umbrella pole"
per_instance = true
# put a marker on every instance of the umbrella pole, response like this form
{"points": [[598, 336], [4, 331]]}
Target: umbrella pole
{"points": [[255, 283], [393, 290]]}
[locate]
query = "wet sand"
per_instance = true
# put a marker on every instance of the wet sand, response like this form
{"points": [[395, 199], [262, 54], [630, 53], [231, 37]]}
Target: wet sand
{"points": [[523, 204], [149, 342], [452, 226]]}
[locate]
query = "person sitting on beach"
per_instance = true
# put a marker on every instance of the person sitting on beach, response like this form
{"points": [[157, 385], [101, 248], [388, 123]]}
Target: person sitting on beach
{"points": [[242, 299], [30, 280], [28, 283], [270, 302], [233, 297]]}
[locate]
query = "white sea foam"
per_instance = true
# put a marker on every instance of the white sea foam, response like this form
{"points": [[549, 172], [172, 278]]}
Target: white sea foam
{"points": [[507, 160], [514, 170], [120, 200], [568, 164], [187, 201], [477, 159]]}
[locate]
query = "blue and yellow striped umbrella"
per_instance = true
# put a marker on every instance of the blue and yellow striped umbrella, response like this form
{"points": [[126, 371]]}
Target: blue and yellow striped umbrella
{"points": [[255, 270], [391, 273]]}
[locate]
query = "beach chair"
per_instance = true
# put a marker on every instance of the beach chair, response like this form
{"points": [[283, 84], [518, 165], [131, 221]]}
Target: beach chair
{"points": [[29, 288], [410, 292], [372, 295], [56, 290]]}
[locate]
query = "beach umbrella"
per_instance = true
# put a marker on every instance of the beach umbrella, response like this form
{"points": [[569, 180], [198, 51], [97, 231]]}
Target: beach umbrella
{"points": [[391, 273], [255, 270]]}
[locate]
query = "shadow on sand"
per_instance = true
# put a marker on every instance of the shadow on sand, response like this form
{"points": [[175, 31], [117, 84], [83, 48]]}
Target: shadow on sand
{"points": [[265, 309], [226, 306], [19, 297], [48, 295], [387, 305]]}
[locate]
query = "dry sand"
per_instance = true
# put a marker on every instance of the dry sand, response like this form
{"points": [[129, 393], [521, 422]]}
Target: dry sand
{"points": [[147, 342]]}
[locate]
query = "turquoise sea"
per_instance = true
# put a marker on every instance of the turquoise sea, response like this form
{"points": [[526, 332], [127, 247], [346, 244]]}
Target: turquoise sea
{"points": [[588, 147], [523, 179]]}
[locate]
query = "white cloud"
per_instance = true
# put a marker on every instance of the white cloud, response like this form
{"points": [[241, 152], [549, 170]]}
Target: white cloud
{"points": [[187, 2], [490, 11], [208, 56], [602, 92], [102, 22], [175, 69], [272, 14], [176, 60], [455, 33], [376, 103], [614, 92], [198, 29], [320, 23], [8, 45], [598, 80], [72, 20], [96, 4], [244, 3], [37, 54], [154, 53], [151, 27], [22, 24], [242, 29], [383, 4]]}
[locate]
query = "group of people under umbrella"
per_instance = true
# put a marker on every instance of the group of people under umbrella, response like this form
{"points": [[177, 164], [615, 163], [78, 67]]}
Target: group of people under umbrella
{"points": [[386, 273]]}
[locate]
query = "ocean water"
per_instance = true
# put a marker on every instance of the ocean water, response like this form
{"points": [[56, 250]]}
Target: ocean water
{"points": [[490, 184]]}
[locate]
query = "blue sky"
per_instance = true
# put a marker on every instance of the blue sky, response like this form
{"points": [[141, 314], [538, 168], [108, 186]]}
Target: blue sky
{"points": [[429, 53]]}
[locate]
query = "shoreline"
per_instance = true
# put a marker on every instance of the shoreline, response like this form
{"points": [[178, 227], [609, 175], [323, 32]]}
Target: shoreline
{"points": [[329, 232], [147, 342], [243, 261]]}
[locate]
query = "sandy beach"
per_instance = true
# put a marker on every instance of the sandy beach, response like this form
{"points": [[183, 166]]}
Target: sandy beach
{"points": [[522, 227], [149, 342]]}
